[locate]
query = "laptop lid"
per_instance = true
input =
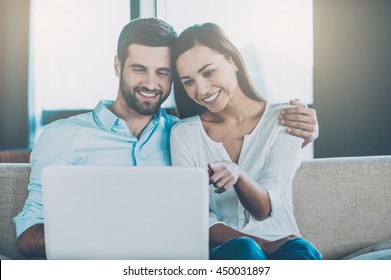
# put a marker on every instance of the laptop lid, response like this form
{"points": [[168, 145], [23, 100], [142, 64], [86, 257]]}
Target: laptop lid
{"points": [[121, 212]]}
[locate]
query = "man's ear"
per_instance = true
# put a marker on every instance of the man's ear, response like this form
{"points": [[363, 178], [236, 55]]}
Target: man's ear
{"points": [[117, 66]]}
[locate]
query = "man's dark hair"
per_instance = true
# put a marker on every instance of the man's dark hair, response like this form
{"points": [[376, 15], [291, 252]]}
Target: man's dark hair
{"points": [[151, 32]]}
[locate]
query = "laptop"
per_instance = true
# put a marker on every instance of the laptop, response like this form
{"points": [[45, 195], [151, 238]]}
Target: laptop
{"points": [[124, 212]]}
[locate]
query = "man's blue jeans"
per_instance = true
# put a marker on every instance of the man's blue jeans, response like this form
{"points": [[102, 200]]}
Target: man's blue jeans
{"points": [[244, 248]]}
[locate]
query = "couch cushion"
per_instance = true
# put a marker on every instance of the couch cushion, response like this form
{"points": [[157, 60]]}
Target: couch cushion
{"points": [[380, 251], [378, 255]]}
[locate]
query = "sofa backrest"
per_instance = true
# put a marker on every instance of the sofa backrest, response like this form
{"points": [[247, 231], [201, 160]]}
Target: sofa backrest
{"points": [[344, 204]]}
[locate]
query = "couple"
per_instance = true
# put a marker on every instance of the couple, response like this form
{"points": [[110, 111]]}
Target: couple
{"points": [[231, 131]]}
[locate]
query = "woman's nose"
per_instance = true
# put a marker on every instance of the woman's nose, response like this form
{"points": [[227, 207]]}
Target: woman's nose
{"points": [[203, 87]]}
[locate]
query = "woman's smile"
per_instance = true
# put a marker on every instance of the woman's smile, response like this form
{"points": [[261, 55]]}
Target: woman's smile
{"points": [[212, 97]]}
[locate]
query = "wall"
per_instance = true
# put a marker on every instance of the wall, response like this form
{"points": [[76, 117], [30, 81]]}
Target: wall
{"points": [[352, 77], [14, 24]]}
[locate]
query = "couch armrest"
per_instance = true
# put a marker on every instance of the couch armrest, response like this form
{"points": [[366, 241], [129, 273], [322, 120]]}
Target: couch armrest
{"points": [[343, 204], [14, 178]]}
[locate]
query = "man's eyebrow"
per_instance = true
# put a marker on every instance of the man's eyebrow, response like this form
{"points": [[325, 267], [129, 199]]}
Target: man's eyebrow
{"points": [[199, 71], [137, 65]]}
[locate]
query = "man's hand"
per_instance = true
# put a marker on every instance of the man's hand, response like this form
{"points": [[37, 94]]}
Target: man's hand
{"points": [[31, 243], [301, 121]]}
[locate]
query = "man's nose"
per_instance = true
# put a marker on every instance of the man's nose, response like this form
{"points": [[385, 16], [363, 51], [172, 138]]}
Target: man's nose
{"points": [[151, 81]]}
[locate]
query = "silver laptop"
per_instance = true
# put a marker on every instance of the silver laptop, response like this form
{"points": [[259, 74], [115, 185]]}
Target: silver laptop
{"points": [[107, 212]]}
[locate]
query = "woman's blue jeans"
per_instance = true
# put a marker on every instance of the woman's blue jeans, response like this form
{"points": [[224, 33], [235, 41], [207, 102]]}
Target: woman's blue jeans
{"points": [[244, 248]]}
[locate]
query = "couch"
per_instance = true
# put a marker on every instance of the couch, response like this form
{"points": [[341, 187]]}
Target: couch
{"points": [[342, 205]]}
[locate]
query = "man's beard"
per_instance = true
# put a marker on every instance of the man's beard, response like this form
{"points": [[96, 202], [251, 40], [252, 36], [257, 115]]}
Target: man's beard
{"points": [[143, 108]]}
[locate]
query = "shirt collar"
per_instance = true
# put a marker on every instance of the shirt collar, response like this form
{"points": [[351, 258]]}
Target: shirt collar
{"points": [[109, 119], [105, 116]]}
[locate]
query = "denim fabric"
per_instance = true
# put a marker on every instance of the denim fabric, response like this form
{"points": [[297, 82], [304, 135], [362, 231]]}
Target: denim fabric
{"points": [[244, 248]]}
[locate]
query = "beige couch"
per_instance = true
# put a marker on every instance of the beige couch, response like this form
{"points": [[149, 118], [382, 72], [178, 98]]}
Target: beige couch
{"points": [[342, 205]]}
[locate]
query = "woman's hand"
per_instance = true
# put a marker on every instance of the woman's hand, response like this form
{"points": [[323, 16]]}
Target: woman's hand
{"points": [[254, 198], [223, 175]]}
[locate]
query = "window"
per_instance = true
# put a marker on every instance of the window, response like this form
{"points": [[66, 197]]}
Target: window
{"points": [[72, 49], [274, 37]]}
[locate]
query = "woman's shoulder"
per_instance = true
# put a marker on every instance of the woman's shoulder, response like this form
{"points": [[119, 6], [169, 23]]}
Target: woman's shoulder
{"points": [[272, 110], [187, 124]]}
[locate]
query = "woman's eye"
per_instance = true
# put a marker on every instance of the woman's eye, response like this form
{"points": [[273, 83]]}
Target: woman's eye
{"points": [[187, 83], [208, 73]]}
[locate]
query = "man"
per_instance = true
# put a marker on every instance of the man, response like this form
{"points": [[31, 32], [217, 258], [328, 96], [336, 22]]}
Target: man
{"points": [[132, 130]]}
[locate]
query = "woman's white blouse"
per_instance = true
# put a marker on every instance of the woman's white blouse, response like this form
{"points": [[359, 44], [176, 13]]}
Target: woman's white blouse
{"points": [[269, 156]]}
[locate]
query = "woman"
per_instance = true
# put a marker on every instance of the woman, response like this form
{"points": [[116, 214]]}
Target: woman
{"points": [[233, 133]]}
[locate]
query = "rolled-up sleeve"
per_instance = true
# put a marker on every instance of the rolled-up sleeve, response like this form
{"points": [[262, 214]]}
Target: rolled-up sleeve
{"points": [[280, 168], [48, 150]]}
